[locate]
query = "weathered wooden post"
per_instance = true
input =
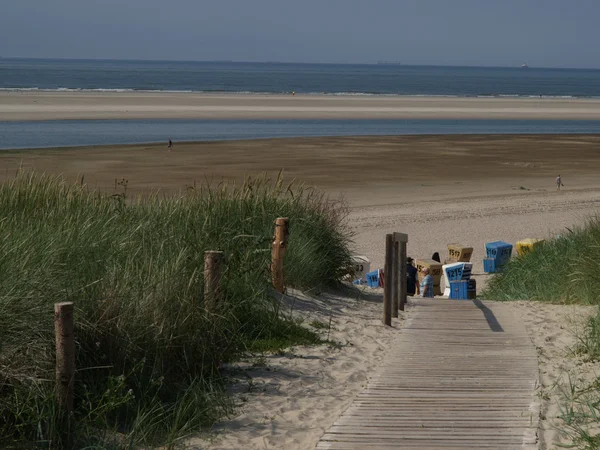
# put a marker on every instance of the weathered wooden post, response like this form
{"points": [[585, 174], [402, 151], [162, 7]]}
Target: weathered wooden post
{"points": [[387, 272], [213, 269], [65, 366], [402, 239], [395, 279], [278, 249]]}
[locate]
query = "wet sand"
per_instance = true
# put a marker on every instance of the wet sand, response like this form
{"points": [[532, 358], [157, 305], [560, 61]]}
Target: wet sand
{"points": [[49, 105], [439, 189], [366, 170]]}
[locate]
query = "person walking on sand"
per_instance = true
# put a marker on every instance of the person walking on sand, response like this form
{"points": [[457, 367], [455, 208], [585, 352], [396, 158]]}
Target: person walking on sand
{"points": [[427, 284], [558, 183], [170, 144]]}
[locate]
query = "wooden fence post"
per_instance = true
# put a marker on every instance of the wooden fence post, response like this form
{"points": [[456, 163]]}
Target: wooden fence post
{"points": [[387, 288], [402, 239], [213, 268], [65, 366], [395, 279], [404, 282], [278, 249]]}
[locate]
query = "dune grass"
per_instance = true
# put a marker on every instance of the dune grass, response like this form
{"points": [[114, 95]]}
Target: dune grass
{"points": [[565, 270], [147, 351]]}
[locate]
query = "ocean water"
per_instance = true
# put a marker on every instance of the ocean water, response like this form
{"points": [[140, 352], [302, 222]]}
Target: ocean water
{"points": [[100, 132], [316, 79], [375, 79]]}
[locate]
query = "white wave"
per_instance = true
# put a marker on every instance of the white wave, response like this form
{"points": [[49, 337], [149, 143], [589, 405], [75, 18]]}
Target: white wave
{"points": [[21, 89], [332, 93]]}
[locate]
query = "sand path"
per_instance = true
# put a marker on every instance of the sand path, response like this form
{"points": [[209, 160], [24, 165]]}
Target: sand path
{"points": [[288, 400]]}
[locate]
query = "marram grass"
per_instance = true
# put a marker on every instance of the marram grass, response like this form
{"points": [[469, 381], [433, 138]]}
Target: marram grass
{"points": [[147, 351], [565, 270]]}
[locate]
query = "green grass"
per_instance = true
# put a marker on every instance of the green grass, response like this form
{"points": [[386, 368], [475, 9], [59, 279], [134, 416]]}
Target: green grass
{"points": [[564, 269], [580, 415], [147, 352]]}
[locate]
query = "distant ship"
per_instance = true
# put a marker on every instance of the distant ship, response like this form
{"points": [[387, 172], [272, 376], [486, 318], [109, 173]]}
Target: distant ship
{"points": [[390, 63], [524, 66]]}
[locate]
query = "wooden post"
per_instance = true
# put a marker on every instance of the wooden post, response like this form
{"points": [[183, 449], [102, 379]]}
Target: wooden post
{"points": [[403, 278], [65, 367], [402, 239], [387, 289], [65, 354], [395, 279], [278, 249], [213, 264]]}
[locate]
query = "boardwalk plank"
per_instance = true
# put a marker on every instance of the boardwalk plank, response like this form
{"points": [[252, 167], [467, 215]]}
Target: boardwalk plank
{"points": [[462, 374]]}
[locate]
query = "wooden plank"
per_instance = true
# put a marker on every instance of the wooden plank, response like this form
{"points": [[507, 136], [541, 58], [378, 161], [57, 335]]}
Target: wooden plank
{"points": [[461, 374]]}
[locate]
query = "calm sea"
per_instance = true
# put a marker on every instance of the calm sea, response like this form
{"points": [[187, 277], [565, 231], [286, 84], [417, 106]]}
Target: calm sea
{"points": [[380, 79], [316, 79], [99, 132]]}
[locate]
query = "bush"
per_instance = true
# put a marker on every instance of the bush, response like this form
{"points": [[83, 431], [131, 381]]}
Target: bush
{"points": [[147, 350]]}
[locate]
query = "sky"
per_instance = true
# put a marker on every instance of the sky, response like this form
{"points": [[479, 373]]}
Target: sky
{"points": [[542, 33]]}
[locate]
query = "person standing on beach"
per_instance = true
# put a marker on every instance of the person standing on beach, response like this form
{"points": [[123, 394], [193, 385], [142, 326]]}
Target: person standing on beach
{"points": [[170, 144], [427, 284], [411, 277], [558, 183]]}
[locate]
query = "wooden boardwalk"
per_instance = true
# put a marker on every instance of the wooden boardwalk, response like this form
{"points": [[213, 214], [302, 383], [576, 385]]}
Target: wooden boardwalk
{"points": [[462, 375]]}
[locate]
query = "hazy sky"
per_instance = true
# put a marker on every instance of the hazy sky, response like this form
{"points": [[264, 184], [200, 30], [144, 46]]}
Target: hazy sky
{"points": [[550, 33]]}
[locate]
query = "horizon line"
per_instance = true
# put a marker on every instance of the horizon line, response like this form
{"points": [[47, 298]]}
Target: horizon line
{"points": [[226, 61]]}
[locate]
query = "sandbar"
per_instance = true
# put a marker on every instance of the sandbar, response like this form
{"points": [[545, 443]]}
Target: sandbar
{"points": [[90, 105]]}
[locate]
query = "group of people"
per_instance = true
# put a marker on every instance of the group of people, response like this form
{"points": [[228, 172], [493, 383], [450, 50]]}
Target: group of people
{"points": [[425, 289]]}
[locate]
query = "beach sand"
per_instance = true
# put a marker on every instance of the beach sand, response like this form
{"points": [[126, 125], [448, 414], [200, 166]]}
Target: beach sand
{"points": [[554, 330], [288, 400], [367, 170], [438, 189], [50, 105]]}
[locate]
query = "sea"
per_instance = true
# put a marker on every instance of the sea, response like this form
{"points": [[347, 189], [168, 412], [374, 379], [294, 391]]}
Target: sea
{"points": [[277, 78]]}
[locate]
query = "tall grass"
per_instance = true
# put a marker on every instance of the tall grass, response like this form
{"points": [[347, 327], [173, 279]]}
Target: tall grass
{"points": [[147, 351], [565, 269]]}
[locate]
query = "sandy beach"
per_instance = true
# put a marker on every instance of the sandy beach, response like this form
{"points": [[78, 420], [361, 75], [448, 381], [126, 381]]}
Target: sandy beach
{"points": [[438, 189], [368, 171], [41, 105]]}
